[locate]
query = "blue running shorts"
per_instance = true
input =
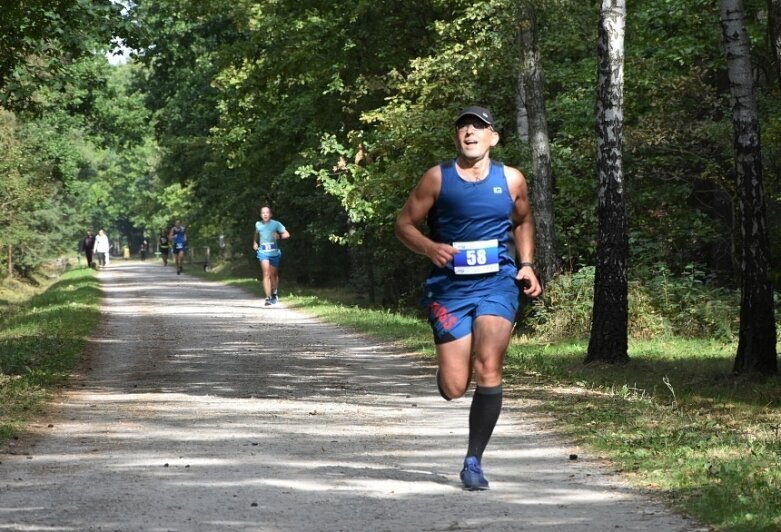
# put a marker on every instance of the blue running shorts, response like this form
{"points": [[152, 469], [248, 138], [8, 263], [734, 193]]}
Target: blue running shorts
{"points": [[452, 319], [274, 260]]}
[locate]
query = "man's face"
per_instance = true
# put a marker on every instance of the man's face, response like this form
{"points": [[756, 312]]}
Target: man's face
{"points": [[474, 138], [177, 224], [265, 214]]}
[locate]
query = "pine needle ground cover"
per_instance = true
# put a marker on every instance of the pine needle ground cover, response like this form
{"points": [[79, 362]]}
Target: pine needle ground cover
{"points": [[43, 332]]}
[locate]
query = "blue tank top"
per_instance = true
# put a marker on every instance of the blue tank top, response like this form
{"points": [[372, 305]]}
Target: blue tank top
{"points": [[178, 236], [467, 212]]}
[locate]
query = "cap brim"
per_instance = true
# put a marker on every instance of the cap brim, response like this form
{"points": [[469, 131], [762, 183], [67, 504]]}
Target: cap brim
{"points": [[470, 113]]}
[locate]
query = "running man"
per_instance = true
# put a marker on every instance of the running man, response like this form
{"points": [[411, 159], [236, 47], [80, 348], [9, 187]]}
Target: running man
{"points": [[472, 205], [178, 237], [164, 246], [267, 232]]}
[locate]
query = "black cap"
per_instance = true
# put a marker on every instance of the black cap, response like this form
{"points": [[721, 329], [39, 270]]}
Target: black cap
{"points": [[480, 112]]}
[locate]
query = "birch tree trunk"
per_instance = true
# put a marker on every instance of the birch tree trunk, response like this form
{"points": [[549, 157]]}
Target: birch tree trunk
{"points": [[774, 31], [608, 341], [757, 341], [531, 90]]}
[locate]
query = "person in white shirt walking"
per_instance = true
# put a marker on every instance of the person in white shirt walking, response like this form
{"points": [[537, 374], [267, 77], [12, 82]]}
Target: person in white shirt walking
{"points": [[101, 248]]}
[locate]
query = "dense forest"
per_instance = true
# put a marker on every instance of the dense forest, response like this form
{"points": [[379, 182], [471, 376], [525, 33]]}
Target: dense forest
{"points": [[330, 112]]}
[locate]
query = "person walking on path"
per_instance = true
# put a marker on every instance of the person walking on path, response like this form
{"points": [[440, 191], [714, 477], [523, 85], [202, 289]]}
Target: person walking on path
{"points": [[267, 232], [102, 247], [472, 293], [178, 237], [143, 249], [87, 246], [164, 246]]}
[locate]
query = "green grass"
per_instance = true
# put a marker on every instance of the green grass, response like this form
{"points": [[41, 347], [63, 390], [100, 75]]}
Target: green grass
{"points": [[42, 335], [674, 420]]}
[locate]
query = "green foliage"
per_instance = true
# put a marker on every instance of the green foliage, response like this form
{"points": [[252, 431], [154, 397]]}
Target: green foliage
{"points": [[564, 310], [40, 38], [280, 103], [661, 305], [37, 211]]}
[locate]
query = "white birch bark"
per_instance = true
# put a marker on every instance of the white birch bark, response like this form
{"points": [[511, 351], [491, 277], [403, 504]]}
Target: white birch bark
{"points": [[609, 326], [757, 339]]}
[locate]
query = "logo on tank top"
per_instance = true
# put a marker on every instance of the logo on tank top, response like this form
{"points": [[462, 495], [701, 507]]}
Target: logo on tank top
{"points": [[497, 190]]}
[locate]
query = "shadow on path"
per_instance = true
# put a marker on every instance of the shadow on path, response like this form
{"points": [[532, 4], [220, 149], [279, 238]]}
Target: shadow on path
{"points": [[198, 409]]}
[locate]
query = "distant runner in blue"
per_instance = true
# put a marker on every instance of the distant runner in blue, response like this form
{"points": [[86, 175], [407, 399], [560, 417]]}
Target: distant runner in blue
{"points": [[267, 233], [472, 205], [178, 238]]}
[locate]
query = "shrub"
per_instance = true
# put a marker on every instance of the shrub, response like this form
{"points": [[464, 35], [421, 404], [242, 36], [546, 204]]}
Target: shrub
{"points": [[660, 304]]}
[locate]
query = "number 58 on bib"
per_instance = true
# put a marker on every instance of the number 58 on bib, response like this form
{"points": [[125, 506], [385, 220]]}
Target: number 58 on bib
{"points": [[480, 256]]}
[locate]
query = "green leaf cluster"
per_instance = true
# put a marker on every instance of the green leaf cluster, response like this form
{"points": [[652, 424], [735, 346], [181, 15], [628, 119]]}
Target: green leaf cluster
{"points": [[331, 112]]}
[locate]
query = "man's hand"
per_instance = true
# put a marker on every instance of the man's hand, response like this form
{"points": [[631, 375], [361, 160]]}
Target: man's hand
{"points": [[255, 246], [441, 254], [529, 282]]}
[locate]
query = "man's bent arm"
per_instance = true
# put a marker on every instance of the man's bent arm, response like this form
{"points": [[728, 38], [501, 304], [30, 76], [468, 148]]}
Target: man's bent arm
{"points": [[412, 214]]}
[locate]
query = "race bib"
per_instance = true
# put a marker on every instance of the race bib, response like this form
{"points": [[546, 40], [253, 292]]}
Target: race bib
{"points": [[481, 256], [268, 247]]}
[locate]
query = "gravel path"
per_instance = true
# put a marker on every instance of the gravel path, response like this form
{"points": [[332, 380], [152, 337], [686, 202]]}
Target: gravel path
{"points": [[199, 409]]}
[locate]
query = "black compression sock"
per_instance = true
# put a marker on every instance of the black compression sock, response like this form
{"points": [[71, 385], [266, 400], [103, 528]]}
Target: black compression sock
{"points": [[483, 415]]}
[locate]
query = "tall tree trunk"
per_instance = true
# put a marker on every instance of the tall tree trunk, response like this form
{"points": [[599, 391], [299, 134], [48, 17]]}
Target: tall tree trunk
{"points": [[10, 260], [522, 116], [757, 341], [531, 83], [368, 257], [774, 31], [608, 342]]}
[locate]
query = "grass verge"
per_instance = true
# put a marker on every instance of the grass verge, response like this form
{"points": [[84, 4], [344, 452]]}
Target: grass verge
{"points": [[42, 335], [673, 420]]}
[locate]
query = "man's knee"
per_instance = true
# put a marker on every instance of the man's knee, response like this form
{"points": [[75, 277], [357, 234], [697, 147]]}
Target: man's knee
{"points": [[453, 391], [452, 386], [488, 369]]}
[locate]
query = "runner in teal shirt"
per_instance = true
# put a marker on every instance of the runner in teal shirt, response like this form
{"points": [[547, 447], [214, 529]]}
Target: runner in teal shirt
{"points": [[267, 234]]}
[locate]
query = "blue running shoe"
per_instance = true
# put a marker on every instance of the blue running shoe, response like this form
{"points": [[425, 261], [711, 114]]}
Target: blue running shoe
{"points": [[274, 299], [472, 475]]}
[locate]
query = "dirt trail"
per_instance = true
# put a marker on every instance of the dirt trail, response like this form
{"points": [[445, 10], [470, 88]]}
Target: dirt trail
{"points": [[199, 409]]}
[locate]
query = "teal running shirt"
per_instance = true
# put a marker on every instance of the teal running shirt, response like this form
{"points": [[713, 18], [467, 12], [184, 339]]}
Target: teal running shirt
{"points": [[266, 242]]}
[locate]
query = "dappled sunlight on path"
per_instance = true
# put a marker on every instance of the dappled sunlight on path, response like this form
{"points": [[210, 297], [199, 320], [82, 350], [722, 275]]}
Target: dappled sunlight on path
{"points": [[199, 409]]}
